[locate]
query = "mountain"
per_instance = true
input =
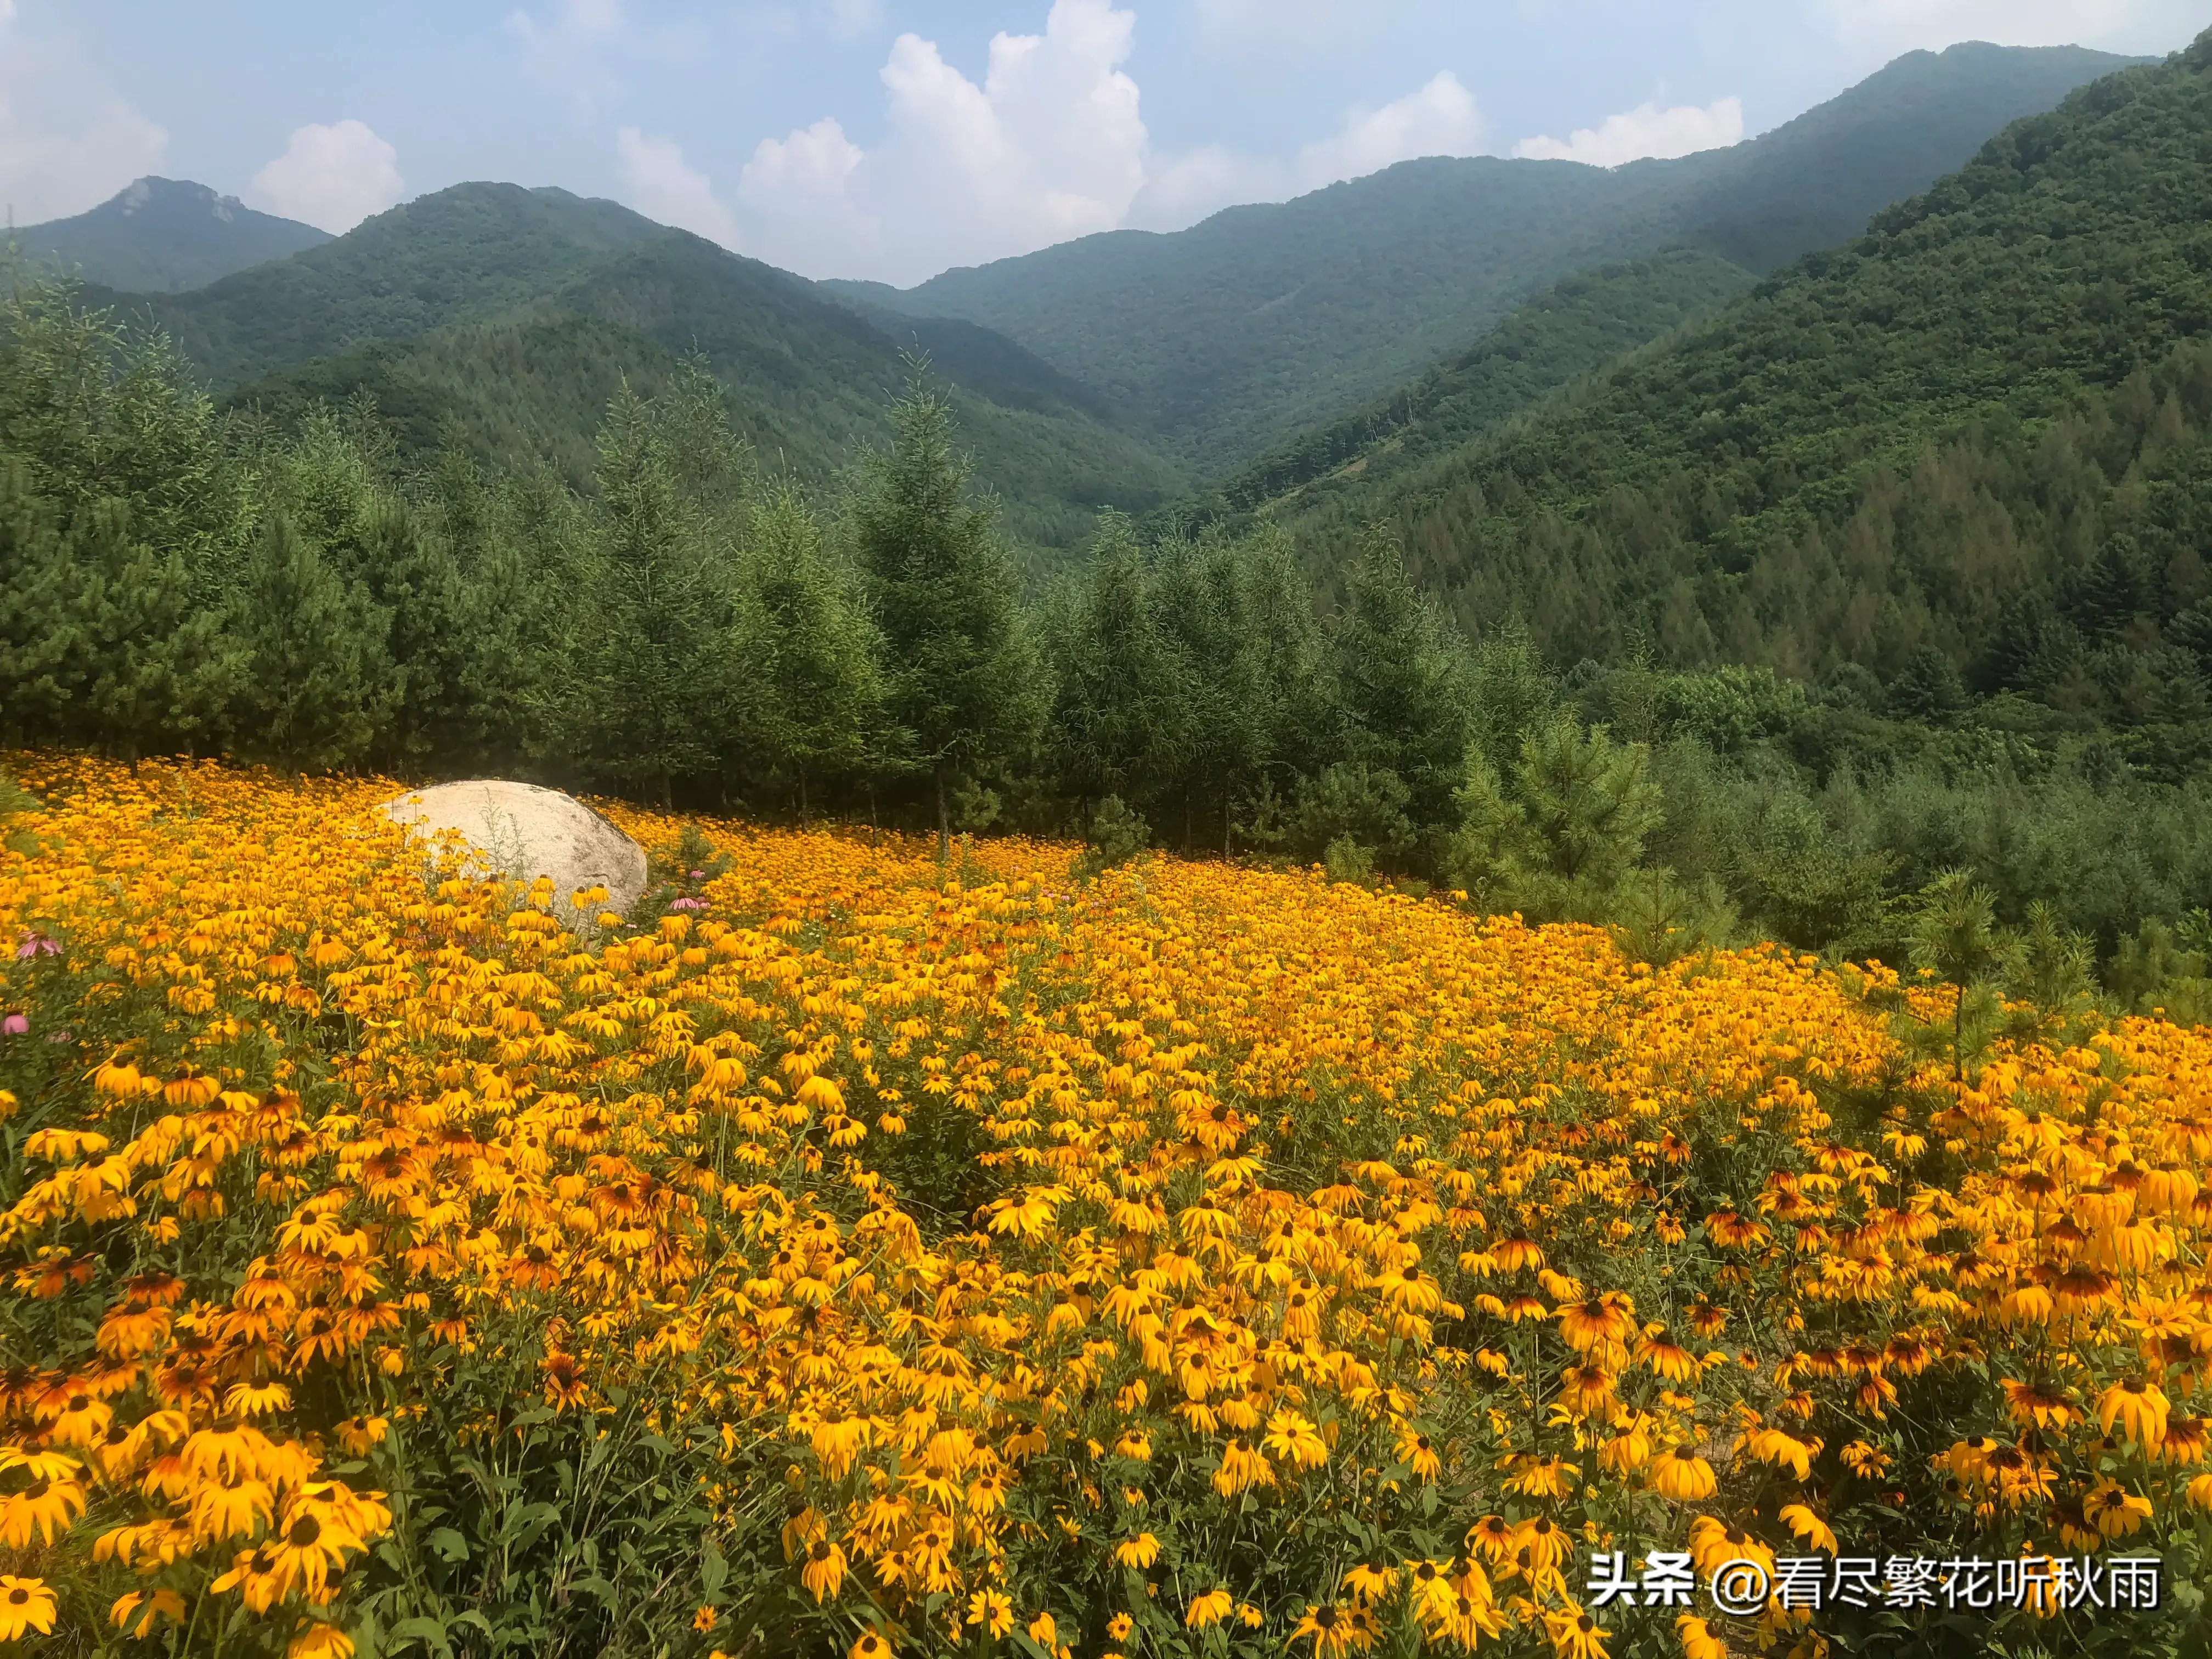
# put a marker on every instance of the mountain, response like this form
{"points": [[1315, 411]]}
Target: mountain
{"points": [[1572, 329], [163, 236], [509, 316], [1230, 338], [1971, 447]]}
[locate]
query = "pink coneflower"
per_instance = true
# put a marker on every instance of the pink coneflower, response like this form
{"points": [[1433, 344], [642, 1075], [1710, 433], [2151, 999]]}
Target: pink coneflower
{"points": [[689, 904], [37, 944], [15, 1025]]}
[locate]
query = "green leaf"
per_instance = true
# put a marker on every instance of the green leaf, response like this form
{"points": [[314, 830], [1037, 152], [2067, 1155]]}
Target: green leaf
{"points": [[431, 1631]]}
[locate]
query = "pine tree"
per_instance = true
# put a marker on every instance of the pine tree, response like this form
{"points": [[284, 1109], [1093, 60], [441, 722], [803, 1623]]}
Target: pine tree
{"points": [[818, 647], [317, 680], [432, 639], [652, 674], [1401, 674], [961, 679], [42, 646], [157, 669], [101, 642], [1122, 720], [1258, 708]]}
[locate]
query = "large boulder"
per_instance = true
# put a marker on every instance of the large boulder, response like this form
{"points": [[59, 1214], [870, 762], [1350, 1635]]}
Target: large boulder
{"points": [[524, 832]]}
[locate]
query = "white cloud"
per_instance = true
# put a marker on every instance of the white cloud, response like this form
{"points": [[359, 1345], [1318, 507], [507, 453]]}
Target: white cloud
{"points": [[68, 141], [1645, 130], [1438, 120], [1049, 146], [1890, 27], [332, 177], [568, 55], [1181, 190], [812, 162], [661, 185]]}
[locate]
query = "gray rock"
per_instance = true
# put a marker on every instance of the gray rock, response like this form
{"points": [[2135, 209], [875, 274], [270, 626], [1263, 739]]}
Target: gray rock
{"points": [[523, 832]]}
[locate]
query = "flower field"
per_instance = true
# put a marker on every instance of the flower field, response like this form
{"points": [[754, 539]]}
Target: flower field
{"points": [[856, 1257]]}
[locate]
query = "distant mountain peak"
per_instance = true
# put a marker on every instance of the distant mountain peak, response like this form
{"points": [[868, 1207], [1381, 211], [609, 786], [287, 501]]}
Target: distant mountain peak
{"points": [[184, 192], [159, 235]]}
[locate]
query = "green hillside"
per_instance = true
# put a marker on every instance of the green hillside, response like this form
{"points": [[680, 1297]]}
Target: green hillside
{"points": [[1232, 337], [510, 317], [1572, 329], [1975, 442], [463, 255], [163, 235]]}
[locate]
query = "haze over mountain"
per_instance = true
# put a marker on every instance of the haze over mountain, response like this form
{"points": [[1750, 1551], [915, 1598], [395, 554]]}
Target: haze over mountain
{"points": [[508, 317], [1229, 336], [163, 235]]}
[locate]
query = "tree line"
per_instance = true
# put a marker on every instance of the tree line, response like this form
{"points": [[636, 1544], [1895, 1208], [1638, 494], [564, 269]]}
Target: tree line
{"points": [[692, 632]]}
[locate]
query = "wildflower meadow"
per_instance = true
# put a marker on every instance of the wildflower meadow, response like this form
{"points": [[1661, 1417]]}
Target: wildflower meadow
{"points": [[858, 1253]]}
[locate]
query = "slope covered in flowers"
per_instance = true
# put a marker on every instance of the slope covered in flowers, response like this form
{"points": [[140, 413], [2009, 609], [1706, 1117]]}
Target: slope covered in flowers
{"points": [[856, 1257]]}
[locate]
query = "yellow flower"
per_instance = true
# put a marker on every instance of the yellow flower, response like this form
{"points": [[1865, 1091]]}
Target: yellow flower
{"points": [[2138, 1406], [706, 1619], [1329, 1626], [41, 1510], [358, 1434], [993, 1610], [1212, 1607], [2115, 1511], [27, 1606], [1140, 1552], [1242, 1467], [1370, 1581], [1541, 1477], [1684, 1480], [1119, 1626], [1576, 1635], [824, 1571], [1698, 1639], [157, 1605], [1044, 1631], [1419, 1453], [1293, 1437], [321, 1641], [1807, 1528]]}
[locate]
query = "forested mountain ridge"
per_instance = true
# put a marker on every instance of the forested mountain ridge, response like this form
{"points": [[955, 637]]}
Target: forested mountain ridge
{"points": [[1229, 336], [1999, 393], [460, 255], [162, 235], [1574, 328], [510, 318]]}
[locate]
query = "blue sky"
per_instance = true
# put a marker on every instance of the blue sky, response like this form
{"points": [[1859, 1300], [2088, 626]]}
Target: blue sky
{"points": [[891, 138]]}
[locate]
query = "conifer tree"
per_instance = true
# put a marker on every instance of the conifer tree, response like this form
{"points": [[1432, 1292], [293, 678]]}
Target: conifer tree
{"points": [[1400, 675], [653, 673], [433, 638], [316, 685], [39, 638], [156, 670], [818, 647], [1122, 716], [961, 679], [102, 642]]}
